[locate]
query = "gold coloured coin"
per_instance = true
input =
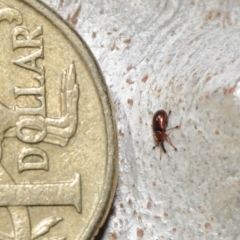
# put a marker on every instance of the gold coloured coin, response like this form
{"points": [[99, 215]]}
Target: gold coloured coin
{"points": [[58, 147]]}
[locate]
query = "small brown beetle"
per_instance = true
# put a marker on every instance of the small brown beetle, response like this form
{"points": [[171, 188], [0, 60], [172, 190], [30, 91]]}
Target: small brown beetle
{"points": [[159, 125]]}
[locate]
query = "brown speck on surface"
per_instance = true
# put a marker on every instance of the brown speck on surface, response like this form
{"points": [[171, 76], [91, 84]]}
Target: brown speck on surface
{"points": [[120, 133], [74, 17], [211, 15], [140, 233], [168, 61], [157, 217], [101, 12], [145, 78], [130, 102], [208, 78], [113, 46], [94, 35], [216, 132], [114, 236], [154, 184], [129, 81], [129, 68], [165, 214], [127, 41], [130, 201], [227, 91], [121, 205], [139, 218], [207, 225], [174, 230], [60, 3], [140, 120], [149, 205]]}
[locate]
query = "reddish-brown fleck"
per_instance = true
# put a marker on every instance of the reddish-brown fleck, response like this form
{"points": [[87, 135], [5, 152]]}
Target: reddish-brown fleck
{"points": [[165, 214], [229, 90], [207, 225], [174, 230], [74, 18], [129, 68], [94, 35], [140, 232], [216, 132], [145, 78], [154, 184], [114, 236], [120, 133], [208, 78], [130, 102], [130, 201], [149, 205], [127, 41], [121, 205], [129, 81]]}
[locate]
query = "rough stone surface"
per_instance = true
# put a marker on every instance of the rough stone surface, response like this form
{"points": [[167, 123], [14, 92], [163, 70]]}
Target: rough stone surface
{"points": [[179, 55]]}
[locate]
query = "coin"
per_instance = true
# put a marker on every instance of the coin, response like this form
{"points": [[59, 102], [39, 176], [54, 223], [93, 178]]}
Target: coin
{"points": [[58, 149]]}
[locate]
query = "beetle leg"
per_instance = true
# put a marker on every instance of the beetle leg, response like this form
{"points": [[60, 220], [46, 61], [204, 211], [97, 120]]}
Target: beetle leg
{"points": [[164, 150], [170, 142], [156, 142], [169, 113], [176, 127], [154, 146]]}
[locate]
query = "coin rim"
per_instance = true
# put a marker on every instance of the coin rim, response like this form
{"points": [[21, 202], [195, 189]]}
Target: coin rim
{"points": [[83, 50]]}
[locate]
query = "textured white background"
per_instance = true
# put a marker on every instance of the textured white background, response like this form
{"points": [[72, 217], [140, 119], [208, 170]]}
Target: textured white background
{"points": [[179, 55]]}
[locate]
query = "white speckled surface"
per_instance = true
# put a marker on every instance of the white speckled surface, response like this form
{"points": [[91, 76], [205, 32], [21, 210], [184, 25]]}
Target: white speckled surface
{"points": [[179, 55]]}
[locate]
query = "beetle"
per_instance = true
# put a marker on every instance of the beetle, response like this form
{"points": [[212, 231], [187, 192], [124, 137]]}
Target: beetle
{"points": [[159, 126]]}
